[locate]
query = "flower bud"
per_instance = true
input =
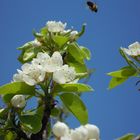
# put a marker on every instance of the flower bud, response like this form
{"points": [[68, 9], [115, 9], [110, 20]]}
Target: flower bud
{"points": [[79, 133], [18, 101], [60, 129], [93, 131]]}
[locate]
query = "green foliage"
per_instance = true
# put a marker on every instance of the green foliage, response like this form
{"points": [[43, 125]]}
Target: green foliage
{"points": [[17, 88], [129, 136], [55, 112], [115, 81], [28, 54], [86, 52], [72, 88], [120, 76], [124, 72], [75, 105], [3, 113], [60, 40], [76, 52], [10, 136], [31, 123]]}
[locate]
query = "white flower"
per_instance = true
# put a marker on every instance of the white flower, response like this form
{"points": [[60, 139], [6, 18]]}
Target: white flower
{"points": [[60, 129], [79, 133], [49, 64], [66, 137], [64, 75], [18, 101], [54, 63], [36, 43], [73, 34], [93, 131], [133, 49], [54, 26], [30, 74]]}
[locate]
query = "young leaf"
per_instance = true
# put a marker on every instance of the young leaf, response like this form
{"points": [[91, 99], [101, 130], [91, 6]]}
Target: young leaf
{"points": [[82, 30], [31, 123], [124, 72], [129, 136], [28, 54], [17, 88], [76, 53], [115, 81], [86, 52], [60, 40], [72, 88], [44, 31], [75, 105], [79, 67]]}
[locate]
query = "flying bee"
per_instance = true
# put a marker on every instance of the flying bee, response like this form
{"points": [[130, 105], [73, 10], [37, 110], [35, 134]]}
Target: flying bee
{"points": [[92, 6]]}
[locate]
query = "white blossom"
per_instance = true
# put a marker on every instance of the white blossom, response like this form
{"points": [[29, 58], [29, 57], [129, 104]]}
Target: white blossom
{"points": [[93, 131], [79, 133], [60, 129], [64, 75], [54, 26], [73, 34], [66, 137], [36, 43], [18, 101], [49, 64], [133, 49], [30, 74]]}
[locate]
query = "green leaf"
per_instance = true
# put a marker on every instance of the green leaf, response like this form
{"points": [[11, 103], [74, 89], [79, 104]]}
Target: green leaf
{"points": [[10, 136], [55, 112], [7, 97], [17, 88], [86, 52], [124, 72], [72, 88], [75, 105], [31, 123], [115, 81], [3, 113], [28, 54], [60, 40], [25, 46], [129, 136], [82, 30], [44, 31], [76, 53], [79, 67]]}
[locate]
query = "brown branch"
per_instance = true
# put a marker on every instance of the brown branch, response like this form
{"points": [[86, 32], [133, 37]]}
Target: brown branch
{"points": [[48, 101]]}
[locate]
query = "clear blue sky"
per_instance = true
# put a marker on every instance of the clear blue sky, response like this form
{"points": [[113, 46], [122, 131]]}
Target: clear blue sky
{"points": [[117, 23]]}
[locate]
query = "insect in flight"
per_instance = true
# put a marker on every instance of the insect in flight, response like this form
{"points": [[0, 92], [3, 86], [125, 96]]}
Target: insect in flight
{"points": [[92, 6]]}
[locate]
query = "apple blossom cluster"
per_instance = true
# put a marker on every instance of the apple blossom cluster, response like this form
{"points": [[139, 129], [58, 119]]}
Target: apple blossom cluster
{"points": [[36, 71], [56, 27], [84, 132], [133, 49]]}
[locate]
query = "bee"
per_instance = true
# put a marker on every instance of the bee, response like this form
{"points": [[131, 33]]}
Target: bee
{"points": [[92, 6]]}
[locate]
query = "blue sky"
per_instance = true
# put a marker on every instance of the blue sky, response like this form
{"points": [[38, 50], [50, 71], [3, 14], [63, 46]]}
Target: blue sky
{"points": [[116, 24]]}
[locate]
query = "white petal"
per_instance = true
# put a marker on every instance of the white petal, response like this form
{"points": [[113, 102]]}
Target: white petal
{"points": [[28, 80], [54, 26], [93, 131], [60, 129], [58, 77]]}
